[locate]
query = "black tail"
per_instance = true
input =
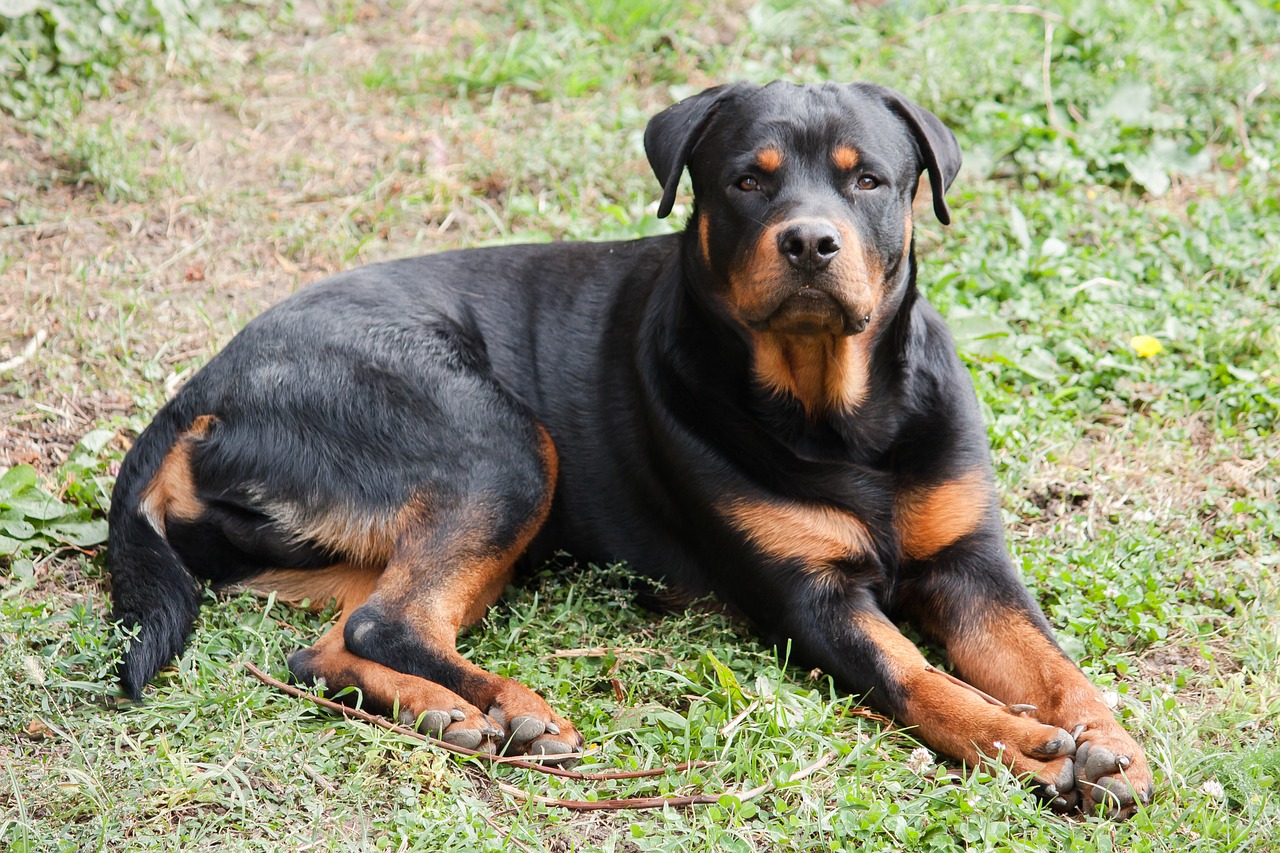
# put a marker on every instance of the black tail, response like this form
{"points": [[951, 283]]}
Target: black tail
{"points": [[153, 591]]}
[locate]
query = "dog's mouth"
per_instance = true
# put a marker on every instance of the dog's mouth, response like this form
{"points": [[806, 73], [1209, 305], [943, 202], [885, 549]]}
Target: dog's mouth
{"points": [[810, 311]]}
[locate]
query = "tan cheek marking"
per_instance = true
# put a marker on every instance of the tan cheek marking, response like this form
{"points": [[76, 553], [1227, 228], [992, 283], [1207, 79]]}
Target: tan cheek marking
{"points": [[753, 282], [818, 536], [932, 518], [769, 159], [172, 491], [704, 236], [844, 157], [859, 271]]}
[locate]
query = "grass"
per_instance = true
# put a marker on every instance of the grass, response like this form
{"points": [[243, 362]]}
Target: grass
{"points": [[1120, 181]]}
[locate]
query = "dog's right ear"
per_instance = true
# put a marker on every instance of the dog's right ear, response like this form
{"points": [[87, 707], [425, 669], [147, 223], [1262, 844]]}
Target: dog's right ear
{"points": [[673, 133]]}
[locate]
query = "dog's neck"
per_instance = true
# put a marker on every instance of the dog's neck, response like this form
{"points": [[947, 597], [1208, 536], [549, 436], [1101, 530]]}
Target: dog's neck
{"points": [[718, 367], [825, 374]]}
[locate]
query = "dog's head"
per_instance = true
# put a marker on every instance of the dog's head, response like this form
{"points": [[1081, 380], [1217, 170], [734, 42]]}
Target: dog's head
{"points": [[802, 201]]}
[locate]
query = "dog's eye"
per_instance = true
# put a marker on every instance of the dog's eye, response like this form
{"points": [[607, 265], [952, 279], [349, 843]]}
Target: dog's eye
{"points": [[866, 182], [748, 184]]}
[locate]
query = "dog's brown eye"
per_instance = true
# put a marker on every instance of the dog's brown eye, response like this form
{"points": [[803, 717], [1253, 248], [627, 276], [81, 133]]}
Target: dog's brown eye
{"points": [[748, 184], [866, 182]]}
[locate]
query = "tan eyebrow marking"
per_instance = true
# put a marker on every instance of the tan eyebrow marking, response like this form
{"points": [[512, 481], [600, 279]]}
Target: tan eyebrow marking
{"points": [[844, 157], [769, 159]]}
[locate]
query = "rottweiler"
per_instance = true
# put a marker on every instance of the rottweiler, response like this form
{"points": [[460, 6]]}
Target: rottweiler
{"points": [[761, 409]]}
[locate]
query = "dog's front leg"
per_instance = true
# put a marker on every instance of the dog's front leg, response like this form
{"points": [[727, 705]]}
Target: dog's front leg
{"points": [[859, 646], [968, 597]]}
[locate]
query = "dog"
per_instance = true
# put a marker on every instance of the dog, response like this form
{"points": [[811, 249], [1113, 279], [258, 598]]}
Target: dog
{"points": [[761, 409]]}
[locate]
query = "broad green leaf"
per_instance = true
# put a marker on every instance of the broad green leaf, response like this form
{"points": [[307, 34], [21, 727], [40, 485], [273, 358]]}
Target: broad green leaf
{"points": [[97, 439], [17, 479], [40, 507], [725, 678], [9, 547], [82, 534], [18, 528]]}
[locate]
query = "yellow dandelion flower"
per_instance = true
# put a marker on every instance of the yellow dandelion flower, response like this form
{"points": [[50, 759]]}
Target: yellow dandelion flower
{"points": [[1146, 346]]}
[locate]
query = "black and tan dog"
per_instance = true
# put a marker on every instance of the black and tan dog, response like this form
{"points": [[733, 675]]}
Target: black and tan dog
{"points": [[761, 409]]}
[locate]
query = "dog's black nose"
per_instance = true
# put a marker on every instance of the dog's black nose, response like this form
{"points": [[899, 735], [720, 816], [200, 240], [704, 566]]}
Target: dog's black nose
{"points": [[810, 244]]}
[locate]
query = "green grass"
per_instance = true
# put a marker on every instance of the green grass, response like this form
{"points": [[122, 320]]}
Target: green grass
{"points": [[153, 199]]}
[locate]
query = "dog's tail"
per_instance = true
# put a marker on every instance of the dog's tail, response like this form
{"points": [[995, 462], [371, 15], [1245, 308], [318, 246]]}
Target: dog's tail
{"points": [[153, 592]]}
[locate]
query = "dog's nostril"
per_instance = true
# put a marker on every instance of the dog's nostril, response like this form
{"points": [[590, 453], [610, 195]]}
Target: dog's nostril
{"points": [[793, 247], [809, 244]]}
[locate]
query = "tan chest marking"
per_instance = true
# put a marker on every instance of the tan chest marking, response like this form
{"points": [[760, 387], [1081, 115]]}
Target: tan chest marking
{"points": [[932, 518], [823, 372], [818, 536]]}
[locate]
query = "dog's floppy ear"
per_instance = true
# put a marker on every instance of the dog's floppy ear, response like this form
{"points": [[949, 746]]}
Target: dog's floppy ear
{"points": [[673, 133], [939, 151]]}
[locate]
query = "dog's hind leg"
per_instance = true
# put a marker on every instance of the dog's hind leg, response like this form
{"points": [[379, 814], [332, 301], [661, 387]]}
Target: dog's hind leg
{"points": [[414, 701], [453, 557]]}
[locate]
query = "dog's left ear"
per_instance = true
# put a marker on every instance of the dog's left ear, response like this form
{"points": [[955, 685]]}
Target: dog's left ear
{"points": [[939, 151], [673, 133]]}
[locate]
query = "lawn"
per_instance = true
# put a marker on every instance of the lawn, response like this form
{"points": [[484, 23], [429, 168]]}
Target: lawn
{"points": [[169, 170]]}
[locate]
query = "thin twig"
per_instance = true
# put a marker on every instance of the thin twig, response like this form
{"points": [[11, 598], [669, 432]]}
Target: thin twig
{"points": [[637, 652], [611, 805], [28, 351], [867, 714], [507, 836], [737, 721], [971, 9], [1051, 19], [384, 723], [318, 779], [638, 803], [966, 685]]}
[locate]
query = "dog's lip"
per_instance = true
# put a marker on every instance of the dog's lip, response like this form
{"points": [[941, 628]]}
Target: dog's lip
{"points": [[811, 311]]}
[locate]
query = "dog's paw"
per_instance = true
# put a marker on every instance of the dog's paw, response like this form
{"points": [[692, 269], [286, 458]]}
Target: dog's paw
{"points": [[533, 729], [1111, 773], [1048, 758], [461, 725]]}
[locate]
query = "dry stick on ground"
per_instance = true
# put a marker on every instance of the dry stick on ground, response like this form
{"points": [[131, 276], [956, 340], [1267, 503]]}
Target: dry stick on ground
{"points": [[1046, 62], [637, 803], [383, 723], [867, 714]]}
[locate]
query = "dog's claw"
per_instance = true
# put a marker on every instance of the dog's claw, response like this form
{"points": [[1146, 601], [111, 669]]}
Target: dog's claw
{"points": [[431, 722], [465, 738], [1061, 744], [525, 729], [1094, 762], [549, 751], [1021, 709]]}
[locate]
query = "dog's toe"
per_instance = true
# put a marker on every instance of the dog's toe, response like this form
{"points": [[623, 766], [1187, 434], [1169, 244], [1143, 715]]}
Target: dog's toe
{"points": [[432, 722], [525, 728]]}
